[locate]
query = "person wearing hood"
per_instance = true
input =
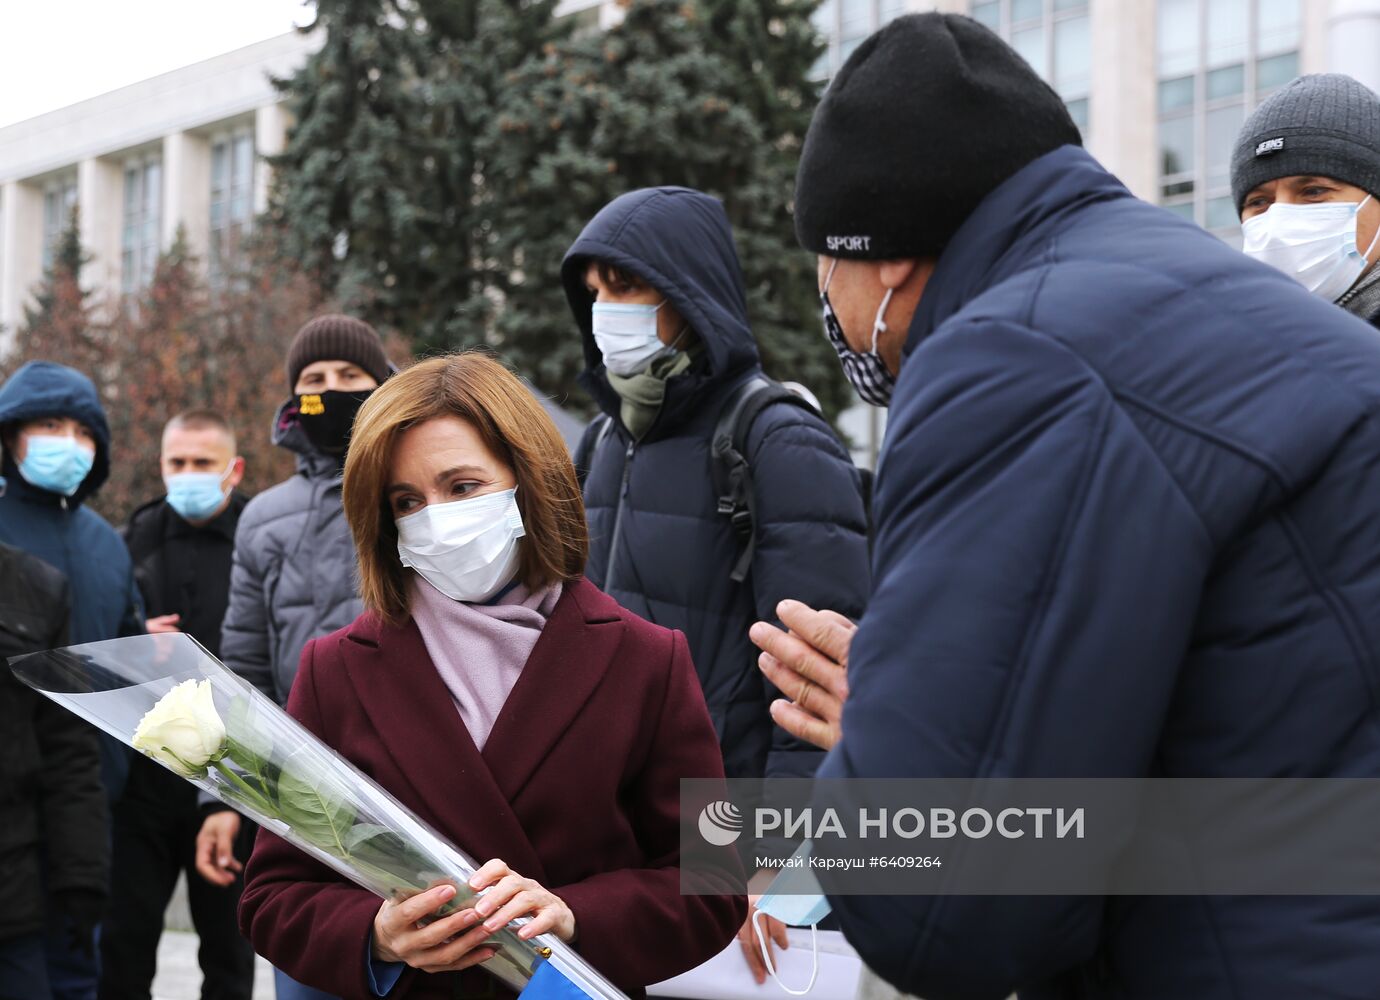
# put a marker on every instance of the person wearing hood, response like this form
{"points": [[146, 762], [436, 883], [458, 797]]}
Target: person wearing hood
{"points": [[56, 456], [1127, 518], [293, 571], [657, 292], [1306, 178]]}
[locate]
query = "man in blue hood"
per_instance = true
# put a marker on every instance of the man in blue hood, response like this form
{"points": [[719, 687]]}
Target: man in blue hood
{"points": [[56, 455], [657, 292]]}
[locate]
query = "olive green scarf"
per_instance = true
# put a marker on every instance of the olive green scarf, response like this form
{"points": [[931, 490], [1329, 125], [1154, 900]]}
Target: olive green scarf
{"points": [[643, 394]]}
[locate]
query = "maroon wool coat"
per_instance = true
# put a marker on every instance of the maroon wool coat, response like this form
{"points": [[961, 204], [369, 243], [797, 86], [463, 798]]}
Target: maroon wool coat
{"points": [[577, 787]]}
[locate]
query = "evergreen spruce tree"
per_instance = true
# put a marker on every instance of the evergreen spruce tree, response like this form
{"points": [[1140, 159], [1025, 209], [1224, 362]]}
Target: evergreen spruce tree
{"points": [[61, 323], [447, 152], [61, 287], [379, 190], [711, 94]]}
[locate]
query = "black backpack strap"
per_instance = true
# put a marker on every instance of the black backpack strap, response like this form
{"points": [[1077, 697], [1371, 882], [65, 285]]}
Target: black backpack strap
{"points": [[588, 446], [728, 452]]}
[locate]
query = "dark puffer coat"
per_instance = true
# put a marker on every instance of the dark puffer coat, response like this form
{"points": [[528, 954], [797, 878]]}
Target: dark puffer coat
{"points": [[52, 804], [1128, 525], [657, 544]]}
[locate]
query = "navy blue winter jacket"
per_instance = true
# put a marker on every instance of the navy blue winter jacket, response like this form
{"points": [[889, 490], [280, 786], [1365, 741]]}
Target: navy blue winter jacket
{"points": [[61, 531], [657, 544], [1128, 524]]}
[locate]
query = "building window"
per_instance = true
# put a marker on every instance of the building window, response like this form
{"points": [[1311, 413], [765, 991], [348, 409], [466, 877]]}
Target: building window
{"points": [[1217, 59], [1055, 37], [232, 201], [845, 23], [143, 217], [59, 198]]}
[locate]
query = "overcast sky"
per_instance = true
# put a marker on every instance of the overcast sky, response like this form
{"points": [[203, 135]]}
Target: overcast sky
{"points": [[56, 52]]}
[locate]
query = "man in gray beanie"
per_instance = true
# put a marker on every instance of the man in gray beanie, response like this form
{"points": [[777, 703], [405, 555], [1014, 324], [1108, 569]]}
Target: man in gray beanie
{"points": [[1306, 176]]}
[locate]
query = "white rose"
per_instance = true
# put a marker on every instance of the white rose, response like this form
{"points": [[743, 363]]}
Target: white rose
{"points": [[183, 730]]}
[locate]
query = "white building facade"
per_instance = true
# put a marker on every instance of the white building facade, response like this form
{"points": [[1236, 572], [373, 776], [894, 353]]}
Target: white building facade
{"points": [[181, 149]]}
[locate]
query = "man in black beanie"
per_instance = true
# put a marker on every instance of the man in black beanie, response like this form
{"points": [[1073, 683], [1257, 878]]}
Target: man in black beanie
{"points": [[293, 575], [1125, 523], [1306, 178]]}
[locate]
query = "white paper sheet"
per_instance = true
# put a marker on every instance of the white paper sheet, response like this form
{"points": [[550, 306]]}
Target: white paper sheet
{"points": [[726, 975]]}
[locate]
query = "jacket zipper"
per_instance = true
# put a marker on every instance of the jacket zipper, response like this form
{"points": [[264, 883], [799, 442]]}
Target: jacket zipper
{"points": [[618, 515]]}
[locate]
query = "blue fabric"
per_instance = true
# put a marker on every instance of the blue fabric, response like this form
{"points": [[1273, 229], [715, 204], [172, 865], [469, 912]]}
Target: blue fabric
{"points": [[675, 551], [383, 976], [72, 974], [1127, 524], [287, 988], [63, 531], [548, 983], [24, 968]]}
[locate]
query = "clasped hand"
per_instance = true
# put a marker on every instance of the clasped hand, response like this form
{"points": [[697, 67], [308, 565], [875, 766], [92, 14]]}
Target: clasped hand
{"points": [[456, 942]]}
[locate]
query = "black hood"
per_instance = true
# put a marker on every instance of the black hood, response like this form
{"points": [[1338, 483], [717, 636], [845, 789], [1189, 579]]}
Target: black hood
{"points": [[46, 389], [680, 242]]}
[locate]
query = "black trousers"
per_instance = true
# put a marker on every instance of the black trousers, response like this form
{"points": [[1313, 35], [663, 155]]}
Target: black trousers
{"points": [[155, 826]]}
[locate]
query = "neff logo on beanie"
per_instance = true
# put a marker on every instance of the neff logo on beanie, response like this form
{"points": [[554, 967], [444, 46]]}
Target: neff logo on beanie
{"points": [[1270, 146], [853, 243]]}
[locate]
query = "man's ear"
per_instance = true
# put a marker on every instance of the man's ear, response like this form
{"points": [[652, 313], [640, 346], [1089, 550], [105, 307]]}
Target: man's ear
{"points": [[895, 273], [237, 473]]}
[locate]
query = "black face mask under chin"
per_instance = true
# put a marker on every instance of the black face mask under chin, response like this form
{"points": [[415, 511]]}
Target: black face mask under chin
{"points": [[327, 417]]}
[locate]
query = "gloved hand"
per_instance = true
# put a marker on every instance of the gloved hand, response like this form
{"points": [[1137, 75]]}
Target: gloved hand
{"points": [[81, 911]]}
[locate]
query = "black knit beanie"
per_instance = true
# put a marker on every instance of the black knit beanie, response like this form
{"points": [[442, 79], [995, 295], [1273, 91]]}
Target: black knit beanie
{"points": [[924, 120], [337, 338], [1323, 125]]}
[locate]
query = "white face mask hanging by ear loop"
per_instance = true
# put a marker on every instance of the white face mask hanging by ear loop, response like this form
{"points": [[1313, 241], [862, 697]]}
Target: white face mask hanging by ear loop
{"points": [[795, 910]]}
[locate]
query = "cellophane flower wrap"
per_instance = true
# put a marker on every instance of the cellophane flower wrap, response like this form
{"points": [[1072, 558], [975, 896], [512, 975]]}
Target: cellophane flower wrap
{"points": [[168, 698]]}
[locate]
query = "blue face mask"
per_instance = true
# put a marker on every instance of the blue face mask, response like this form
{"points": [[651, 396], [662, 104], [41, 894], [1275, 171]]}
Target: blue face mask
{"points": [[196, 495], [56, 464], [784, 901]]}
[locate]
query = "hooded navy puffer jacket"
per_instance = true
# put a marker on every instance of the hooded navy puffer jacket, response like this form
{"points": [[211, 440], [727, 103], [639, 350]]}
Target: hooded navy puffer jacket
{"points": [[1128, 524], [62, 531], [657, 544]]}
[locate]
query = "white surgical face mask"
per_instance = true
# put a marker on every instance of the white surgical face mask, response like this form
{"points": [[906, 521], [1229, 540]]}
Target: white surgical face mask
{"points": [[626, 336], [466, 549], [1313, 244]]}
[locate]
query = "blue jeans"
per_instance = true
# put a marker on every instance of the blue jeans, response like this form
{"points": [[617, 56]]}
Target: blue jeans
{"points": [[287, 988], [24, 968]]}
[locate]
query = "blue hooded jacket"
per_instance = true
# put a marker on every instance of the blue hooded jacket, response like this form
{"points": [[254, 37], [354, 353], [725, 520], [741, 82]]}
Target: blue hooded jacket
{"points": [[62, 531], [1128, 524], [657, 542]]}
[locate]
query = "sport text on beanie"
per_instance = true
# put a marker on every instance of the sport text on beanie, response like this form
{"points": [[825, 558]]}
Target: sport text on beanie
{"points": [[929, 116]]}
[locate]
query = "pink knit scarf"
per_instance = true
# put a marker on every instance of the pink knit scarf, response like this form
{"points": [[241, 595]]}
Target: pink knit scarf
{"points": [[480, 649]]}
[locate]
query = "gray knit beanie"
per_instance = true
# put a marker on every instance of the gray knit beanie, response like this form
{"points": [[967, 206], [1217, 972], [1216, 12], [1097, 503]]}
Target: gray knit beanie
{"points": [[1325, 125]]}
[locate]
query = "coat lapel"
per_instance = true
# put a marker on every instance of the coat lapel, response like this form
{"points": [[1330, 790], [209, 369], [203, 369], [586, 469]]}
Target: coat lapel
{"points": [[411, 709], [566, 665]]}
